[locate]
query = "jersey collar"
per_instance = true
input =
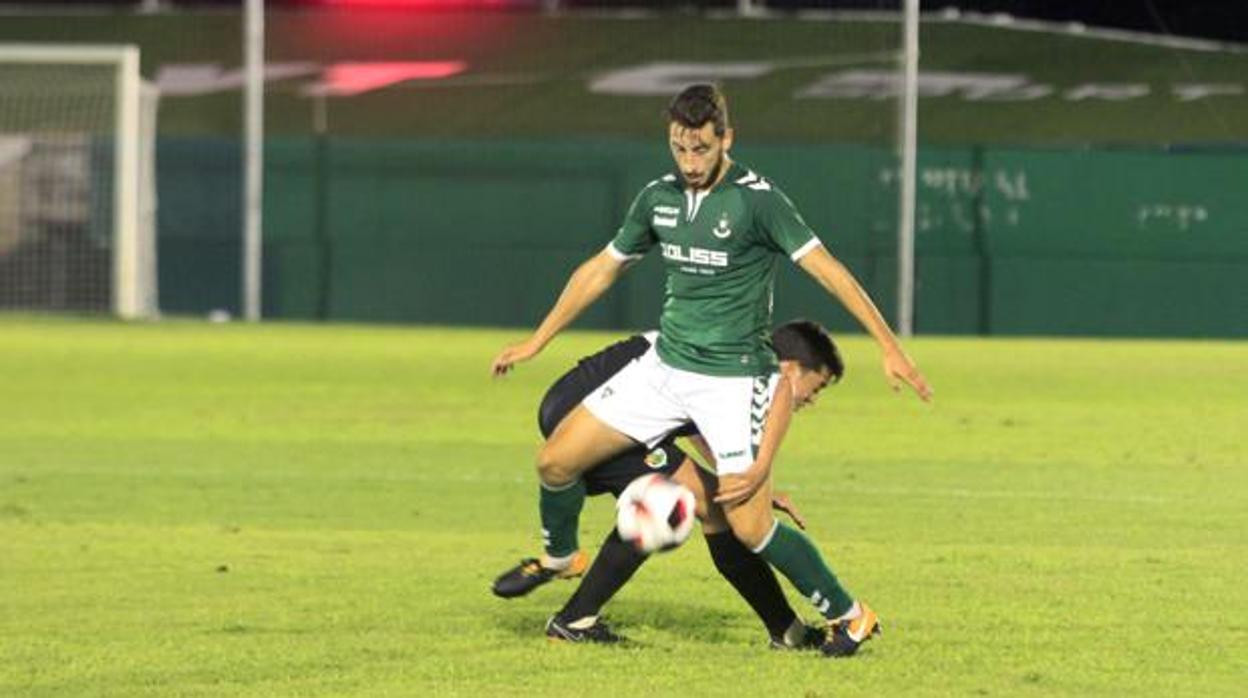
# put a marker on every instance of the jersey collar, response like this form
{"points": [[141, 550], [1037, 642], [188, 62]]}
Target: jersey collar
{"points": [[735, 171]]}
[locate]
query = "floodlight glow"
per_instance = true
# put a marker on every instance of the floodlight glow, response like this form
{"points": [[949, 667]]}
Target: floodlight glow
{"points": [[344, 79], [426, 4]]}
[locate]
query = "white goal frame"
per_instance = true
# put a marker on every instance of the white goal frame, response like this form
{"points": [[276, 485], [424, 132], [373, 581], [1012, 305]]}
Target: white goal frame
{"points": [[134, 246]]}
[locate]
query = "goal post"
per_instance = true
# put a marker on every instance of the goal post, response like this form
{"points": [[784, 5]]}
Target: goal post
{"points": [[908, 140], [77, 194]]}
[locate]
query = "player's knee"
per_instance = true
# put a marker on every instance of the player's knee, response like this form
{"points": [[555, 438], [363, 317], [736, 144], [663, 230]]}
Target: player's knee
{"points": [[751, 531], [551, 469]]}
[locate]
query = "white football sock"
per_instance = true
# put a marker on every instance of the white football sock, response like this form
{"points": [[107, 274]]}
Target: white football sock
{"points": [[583, 623], [557, 563], [795, 634], [854, 611]]}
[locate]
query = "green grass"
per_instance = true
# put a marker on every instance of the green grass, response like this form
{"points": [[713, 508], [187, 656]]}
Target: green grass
{"points": [[190, 509]]}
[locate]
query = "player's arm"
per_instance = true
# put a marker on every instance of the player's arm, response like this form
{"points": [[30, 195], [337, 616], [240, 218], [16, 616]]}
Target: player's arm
{"points": [[838, 281], [705, 487], [586, 285], [588, 282], [785, 228]]}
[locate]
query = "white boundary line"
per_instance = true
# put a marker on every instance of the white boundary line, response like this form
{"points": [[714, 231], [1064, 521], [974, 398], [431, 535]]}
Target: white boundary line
{"points": [[1079, 30], [494, 479], [953, 16], [959, 493]]}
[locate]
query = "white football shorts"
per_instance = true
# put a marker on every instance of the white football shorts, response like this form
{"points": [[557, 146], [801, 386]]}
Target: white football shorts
{"points": [[647, 400]]}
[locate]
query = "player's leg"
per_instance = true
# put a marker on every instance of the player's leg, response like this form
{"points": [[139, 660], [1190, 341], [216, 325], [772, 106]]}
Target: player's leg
{"points": [[617, 560], [580, 441], [629, 409], [793, 553], [578, 621], [745, 571], [732, 424]]}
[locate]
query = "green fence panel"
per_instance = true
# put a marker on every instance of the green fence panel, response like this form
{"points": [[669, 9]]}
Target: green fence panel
{"points": [[1009, 241], [1119, 205], [488, 232], [198, 220], [1119, 243], [466, 233]]}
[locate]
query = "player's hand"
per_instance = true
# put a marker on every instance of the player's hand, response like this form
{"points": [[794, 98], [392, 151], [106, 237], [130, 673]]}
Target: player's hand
{"points": [[734, 489], [512, 355], [781, 502], [898, 368]]}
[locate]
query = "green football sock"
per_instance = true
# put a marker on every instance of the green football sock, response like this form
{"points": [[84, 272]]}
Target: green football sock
{"points": [[561, 515], [791, 552]]}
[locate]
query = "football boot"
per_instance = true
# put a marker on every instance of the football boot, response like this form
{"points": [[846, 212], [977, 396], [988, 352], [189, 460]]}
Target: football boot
{"points": [[529, 575], [846, 636], [596, 632], [813, 637]]}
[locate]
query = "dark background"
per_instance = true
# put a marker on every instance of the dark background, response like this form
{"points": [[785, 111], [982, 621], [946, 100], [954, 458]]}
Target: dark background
{"points": [[1217, 19]]}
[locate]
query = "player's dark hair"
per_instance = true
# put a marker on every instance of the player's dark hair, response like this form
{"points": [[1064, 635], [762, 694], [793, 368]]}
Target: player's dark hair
{"points": [[809, 345], [698, 105]]}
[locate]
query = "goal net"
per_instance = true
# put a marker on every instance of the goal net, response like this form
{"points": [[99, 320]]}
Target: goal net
{"points": [[77, 192]]}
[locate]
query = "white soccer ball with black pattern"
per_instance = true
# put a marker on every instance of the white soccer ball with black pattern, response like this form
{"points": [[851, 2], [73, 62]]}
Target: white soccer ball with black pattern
{"points": [[655, 513]]}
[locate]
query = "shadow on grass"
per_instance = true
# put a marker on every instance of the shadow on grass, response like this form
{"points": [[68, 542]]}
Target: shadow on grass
{"points": [[651, 619]]}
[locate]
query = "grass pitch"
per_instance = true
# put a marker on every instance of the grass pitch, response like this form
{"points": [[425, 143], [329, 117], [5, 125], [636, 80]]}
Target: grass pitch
{"points": [[191, 509]]}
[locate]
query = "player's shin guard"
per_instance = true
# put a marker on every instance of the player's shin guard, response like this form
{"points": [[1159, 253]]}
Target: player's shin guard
{"points": [[561, 515], [791, 552], [753, 580], [614, 566]]}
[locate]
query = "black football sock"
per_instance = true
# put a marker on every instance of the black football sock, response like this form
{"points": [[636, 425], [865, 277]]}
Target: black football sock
{"points": [[753, 579], [613, 567]]}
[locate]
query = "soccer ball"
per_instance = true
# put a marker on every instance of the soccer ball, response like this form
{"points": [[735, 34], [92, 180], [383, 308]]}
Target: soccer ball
{"points": [[655, 513]]}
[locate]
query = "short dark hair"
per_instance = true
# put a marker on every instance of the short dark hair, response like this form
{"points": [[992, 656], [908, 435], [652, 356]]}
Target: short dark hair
{"points": [[809, 345], [698, 105]]}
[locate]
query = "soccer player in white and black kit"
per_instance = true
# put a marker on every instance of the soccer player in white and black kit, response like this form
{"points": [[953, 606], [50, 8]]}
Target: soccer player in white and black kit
{"points": [[721, 229], [799, 341]]}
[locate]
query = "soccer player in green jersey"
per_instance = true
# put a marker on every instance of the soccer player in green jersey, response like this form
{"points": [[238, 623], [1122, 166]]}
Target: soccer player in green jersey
{"points": [[720, 228]]}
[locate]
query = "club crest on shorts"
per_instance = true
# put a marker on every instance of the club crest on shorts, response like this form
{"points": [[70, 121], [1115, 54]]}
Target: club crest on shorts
{"points": [[657, 458], [721, 229]]}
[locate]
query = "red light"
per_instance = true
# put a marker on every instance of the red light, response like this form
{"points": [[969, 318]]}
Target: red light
{"points": [[428, 4], [343, 79]]}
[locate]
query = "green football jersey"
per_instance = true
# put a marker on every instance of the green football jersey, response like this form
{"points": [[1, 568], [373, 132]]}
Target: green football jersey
{"points": [[720, 249]]}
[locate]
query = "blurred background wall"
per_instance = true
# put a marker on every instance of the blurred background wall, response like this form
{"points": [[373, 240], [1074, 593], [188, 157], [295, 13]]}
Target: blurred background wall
{"points": [[452, 164]]}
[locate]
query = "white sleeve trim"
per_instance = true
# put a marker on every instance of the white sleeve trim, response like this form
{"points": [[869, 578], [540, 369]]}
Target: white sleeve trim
{"points": [[620, 256], [801, 251]]}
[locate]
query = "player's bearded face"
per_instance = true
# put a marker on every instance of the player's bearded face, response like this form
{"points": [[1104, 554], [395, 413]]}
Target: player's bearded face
{"points": [[699, 153]]}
